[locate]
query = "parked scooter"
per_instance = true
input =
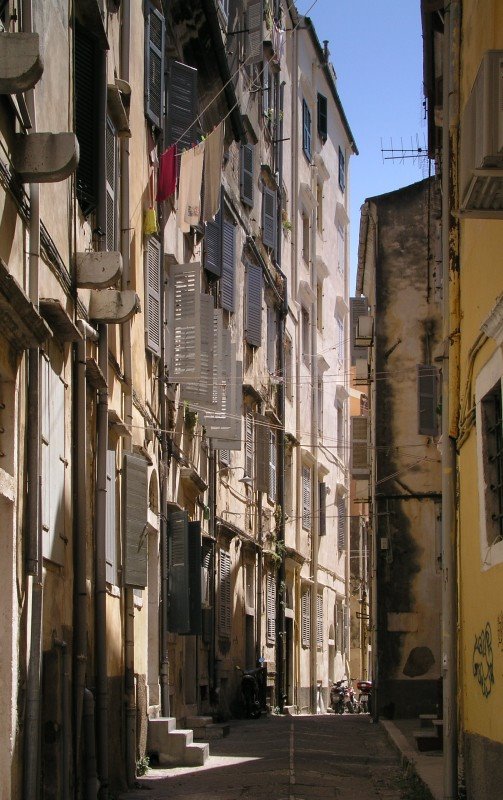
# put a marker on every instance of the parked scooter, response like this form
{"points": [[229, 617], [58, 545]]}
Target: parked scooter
{"points": [[250, 691], [342, 697], [365, 696]]}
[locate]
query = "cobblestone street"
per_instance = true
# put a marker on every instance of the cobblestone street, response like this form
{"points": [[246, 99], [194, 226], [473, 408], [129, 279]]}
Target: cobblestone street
{"points": [[287, 758]]}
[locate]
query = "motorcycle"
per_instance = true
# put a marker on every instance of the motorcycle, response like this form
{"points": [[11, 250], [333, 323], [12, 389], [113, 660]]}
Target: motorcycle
{"points": [[364, 698], [342, 697], [250, 691]]}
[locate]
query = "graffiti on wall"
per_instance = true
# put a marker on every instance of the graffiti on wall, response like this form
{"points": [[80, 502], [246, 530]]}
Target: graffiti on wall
{"points": [[482, 660], [500, 630]]}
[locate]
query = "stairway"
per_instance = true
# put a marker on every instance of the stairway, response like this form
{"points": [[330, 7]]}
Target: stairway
{"points": [[174, 747], [204, 729], [430, 737]]}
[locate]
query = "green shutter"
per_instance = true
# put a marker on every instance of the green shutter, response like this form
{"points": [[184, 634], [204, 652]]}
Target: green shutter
{"points": [[135, 520], [178, 548]]}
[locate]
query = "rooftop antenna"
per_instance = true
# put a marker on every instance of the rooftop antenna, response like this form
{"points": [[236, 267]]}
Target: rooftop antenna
{"points": [[418, 153]]}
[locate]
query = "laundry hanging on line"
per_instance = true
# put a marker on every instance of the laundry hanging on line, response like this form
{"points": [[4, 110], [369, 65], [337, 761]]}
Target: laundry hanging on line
{"points": [[213, 153], [189, 189], [168, 173]]}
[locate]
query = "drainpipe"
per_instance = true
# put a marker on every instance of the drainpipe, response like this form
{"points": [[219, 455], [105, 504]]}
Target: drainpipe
{"points": [[34, 570], [129, 653], [66, 737], [314, 486], [449, 594], [212, 493], [88, 723]]}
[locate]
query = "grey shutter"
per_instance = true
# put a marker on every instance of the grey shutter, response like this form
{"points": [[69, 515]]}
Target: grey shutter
{"points": [[110, 186], [178, 548], [341, 524], [185, 321], [306, 498], [254, 18], [271, 339], [224, 591], [271, 608], [322, 117], [195, 597], [228, 265], [269, 217], [154, 65], [427, 388], [319, 620], [359, 447], [87, 117], [253, 322], [181, 119], [261, 453], [249, 451], [135, 494], [247, 153], [200, 391], [359, 307], [153, 295], [271, 491], [306, 615], [323, 509], [110, 530], [213, 245], [54, 464]]}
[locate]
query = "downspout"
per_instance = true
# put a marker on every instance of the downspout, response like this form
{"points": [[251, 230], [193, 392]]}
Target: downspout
{"points": [[449, 593], [129, 653], [294, 255], [313, 652], [281, 577], [65, 717], [34, 569], [212, 501]]}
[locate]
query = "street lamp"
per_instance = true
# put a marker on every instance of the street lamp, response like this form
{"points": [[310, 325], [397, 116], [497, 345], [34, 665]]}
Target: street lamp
{"points": [[245, 479]]}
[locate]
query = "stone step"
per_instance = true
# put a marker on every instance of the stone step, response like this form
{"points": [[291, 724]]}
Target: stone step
{"points": [[427, 740], [197, 722], [196, 754], [174, 746], [426, 720], [289, 710], [214, 730]]}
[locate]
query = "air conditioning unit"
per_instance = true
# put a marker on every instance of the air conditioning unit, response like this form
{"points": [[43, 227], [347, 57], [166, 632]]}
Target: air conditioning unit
{"points": [[362, 491], [481, 153], [361, 372], [364, 331]]}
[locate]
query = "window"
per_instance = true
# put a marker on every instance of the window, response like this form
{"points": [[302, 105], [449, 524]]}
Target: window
{"points": [[306, 335], [342, 170], [246, 183], [492, 448], [322, 117], [306, 130], [306, 498], [306, 617], [339, 626], [267, 94], [305, 237], [271, 608], [253, 305], [289, 483], [341, 248], [250, 585], [134, 524], [319, 621], [319, 207], [341, 524], [427, 387], [224, 593], [89, 116], [206, 573]]}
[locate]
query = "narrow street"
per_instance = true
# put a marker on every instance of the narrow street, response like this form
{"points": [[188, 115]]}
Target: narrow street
{"points": [[286, 758]]}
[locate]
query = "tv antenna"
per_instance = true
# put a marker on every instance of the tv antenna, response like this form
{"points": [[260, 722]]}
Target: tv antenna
{"points": [[417, 152]]}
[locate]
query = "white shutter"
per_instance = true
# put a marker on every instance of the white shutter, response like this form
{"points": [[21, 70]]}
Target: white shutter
{"points": [[153, 295], [135, 505], [319, 620], [224, 591], [111, 533], [53, 464], [271, 608], [272, 466], [254, 17], [306, 617], [249, 450], [306, 498], [200, 391], [185, 321]]}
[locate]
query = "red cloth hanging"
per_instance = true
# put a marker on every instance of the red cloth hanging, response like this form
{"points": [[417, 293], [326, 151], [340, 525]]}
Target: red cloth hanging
{"points": [[166, 183]]}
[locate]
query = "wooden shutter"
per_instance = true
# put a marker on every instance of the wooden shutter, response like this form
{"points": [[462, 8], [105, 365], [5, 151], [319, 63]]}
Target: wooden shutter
{"points": [[261, 425], [54, 464], [306, 617], [181, 121], [178, 611], [87, 116], [213, 245], [319, 620], [249, 450], [359, 446], [253, 321], [200, 390], [154, 64], [266, 90], [341, 524], [206, 574], [153, 295], [247, 153], [306, 498], [195, 595], [111, 530], [184, 321], [228, 265], [306, 130], [254, 17], [269, 217], [358, 308], [272, 466], [322, 117], [110, 186], [271, 339], [427, 388], [224, 592], [135, 494], [323, 509], [342, 170], [271, 607]]}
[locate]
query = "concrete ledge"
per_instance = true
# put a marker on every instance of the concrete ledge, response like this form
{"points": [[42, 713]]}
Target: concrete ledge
{"points": [[21, 65], [428, 768]]}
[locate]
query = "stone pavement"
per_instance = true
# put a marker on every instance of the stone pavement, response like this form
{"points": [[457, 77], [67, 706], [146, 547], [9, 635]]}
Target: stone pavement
{"points": [[428, 766], [322, 757]]}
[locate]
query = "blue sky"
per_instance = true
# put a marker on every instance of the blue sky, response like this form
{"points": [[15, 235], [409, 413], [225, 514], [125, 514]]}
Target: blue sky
{"points": [[376, 49]]}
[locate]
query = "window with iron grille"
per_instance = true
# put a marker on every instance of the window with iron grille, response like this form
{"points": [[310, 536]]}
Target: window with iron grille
{"points": [[492, 453]]}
